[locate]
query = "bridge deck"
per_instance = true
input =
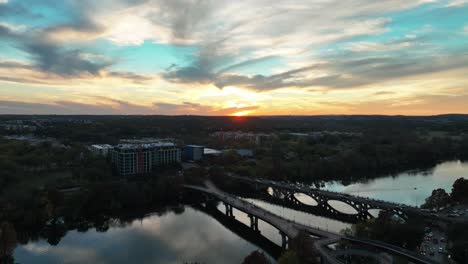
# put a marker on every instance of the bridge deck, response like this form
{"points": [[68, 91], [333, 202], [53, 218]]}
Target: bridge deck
{"points": [[373, 203], [291, 229]]}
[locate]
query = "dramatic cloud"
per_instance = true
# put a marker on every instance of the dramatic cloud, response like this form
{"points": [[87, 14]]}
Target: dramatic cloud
{"points": [[198, 109], [109, 106], [226, 57], [49, 57]]}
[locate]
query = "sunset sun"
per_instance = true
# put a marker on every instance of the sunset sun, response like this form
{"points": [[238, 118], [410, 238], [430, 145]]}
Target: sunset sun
{"points": [[242, 113]]}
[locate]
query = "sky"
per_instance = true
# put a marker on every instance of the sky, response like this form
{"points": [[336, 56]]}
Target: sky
{"points": [[243, 57]]}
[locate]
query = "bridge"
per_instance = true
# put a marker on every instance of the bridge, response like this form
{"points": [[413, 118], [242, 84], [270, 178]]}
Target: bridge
{"points": [[289, 229], [285, 194]]}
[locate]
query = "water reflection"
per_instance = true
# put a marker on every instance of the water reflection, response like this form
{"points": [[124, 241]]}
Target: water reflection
{"points": [[411, 188], [374, 212], [305, 199], [188, 237], [267, 230], [342, 207]]}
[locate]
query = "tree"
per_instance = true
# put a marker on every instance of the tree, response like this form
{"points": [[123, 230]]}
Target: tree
{"points": [[459, 251], [438, 199], [460, 191], [458, 235], [384, 228], [289, 257], [7, 241], [54, 199], [256, 257]]}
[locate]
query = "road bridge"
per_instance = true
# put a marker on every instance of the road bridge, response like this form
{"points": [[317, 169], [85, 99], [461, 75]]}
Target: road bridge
{"points": [[289, 229], [362, 205]]}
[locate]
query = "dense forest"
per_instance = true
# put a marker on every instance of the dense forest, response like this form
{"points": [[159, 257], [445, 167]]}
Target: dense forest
{"points": [[34, 200]]}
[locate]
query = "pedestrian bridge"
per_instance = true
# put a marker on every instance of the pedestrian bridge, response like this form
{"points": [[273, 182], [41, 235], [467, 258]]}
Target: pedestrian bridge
{"points": [[289, 229], [285, 194]]}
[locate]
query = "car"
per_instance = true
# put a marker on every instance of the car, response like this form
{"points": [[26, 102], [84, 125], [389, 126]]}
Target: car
{"points": [[442, 239], [434, 215], [441, 250], [435, 241]]}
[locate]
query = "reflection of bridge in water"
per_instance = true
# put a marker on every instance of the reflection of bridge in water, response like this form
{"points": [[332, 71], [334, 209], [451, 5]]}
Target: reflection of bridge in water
{"points": [[289, 229], [242, 230]]}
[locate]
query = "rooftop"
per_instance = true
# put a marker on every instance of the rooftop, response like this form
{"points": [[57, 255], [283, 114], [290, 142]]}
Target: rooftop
{"points": [[146, 145], [102, 146], [195, 146]]}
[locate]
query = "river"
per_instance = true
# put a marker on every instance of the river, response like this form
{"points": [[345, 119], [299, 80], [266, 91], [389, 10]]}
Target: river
{"points": [[411, 188], [189, 237], [193, 236]]}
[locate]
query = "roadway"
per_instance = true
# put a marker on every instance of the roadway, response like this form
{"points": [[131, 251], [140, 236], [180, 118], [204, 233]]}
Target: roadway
{"points": [[288, 227], [292, 229]]}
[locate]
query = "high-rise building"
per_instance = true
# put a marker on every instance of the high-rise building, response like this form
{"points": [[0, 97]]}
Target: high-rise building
{"points": [[130, 159]]}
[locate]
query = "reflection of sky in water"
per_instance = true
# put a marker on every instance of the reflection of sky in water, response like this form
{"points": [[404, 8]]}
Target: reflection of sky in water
{"points": [[400, 188], [193, 236], [189, 237]]}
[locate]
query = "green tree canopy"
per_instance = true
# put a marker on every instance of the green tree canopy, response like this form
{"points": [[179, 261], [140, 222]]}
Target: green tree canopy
{"points": [[460, 190]]}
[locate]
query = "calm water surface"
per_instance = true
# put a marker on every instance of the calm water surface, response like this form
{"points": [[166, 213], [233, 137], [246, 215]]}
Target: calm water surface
{"points": [[188, 237], [410, 188], [193, 236]]}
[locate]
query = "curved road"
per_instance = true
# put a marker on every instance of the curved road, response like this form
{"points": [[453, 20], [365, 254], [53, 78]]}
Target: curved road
{"points": [[291, 229]]}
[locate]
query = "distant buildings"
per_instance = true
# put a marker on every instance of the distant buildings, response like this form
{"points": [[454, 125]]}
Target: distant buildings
{"points": [[257, 138], [18, 127], [35, 141], [211, 152], [194, 152], [144, 156], [245, 153], [101, 150], [322, 134]]}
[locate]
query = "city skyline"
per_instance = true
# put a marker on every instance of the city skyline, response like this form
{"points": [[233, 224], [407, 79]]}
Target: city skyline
{"points": [[176, 57]]}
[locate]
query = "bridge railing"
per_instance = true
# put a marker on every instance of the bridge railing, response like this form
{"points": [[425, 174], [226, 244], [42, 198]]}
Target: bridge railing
{"points": [[291, 186], [390, 247]]}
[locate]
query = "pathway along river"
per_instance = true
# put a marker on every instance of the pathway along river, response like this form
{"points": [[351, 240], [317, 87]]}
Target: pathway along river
{"points": [[193, 236]]}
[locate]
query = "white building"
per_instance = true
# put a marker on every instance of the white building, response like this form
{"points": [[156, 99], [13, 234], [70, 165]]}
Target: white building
{"points": [[102, 149], [143, 158]]}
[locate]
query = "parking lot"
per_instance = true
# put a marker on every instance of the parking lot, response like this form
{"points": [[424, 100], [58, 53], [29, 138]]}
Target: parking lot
{"points": [[457, 211], [434, 245]]}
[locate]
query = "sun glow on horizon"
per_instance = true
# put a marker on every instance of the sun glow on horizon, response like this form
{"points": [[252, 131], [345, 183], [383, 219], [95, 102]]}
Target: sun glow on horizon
{"points": [[241, 113]]}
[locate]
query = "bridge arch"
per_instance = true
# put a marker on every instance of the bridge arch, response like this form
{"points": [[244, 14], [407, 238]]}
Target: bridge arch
{"points": [[343, 207], [275, 193], [305, 199]]}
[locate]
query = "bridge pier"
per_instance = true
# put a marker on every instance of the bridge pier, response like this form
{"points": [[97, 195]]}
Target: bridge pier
{"points": [[284, 240], [254, 223], [229, 210]]}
